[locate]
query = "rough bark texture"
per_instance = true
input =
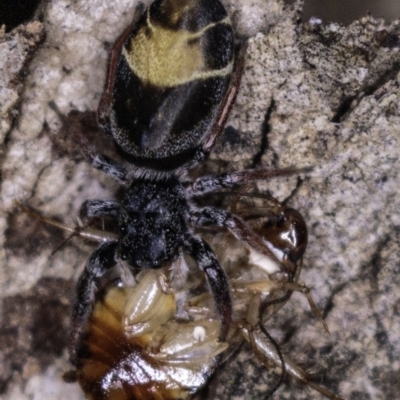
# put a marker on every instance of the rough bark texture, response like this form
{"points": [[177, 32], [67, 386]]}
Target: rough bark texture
{"points": [[312, 94]]}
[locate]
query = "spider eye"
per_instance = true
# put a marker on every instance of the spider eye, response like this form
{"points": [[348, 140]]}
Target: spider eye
{"points": [[133, 216], [152, 217]]}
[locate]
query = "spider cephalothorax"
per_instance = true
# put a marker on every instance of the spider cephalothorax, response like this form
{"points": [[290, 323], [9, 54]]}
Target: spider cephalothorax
{"points": [[152, 222]]}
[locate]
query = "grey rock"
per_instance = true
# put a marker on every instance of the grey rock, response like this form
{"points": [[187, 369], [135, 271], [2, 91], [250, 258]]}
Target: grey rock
{"points": [[325, 96]]}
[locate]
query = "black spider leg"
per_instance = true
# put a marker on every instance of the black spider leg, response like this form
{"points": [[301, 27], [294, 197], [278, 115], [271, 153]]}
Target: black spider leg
{"points": [[208, 184], [95, 159], [101, 261], [222, 218], [100, 161], [99, 209], [216, 277]]}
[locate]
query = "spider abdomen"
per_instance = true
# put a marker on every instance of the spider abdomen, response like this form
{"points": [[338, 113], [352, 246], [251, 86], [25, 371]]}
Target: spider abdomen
{"points": [[173, 73]]}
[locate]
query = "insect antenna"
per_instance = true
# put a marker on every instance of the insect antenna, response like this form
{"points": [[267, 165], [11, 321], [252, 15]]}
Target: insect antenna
{"points": [[263, 307], [280, 355], [78, 230], [68, 238]]}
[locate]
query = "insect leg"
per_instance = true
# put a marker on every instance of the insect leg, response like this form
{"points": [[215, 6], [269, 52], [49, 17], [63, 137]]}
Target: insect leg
{"points": [[216, 277], [101, 261], [269, 351]]}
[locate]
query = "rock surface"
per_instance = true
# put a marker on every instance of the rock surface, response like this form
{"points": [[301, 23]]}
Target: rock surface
{"points": [[315, 95]]}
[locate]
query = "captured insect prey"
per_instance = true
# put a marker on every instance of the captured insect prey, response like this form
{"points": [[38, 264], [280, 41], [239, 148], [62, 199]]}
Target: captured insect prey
{"points": [[153, 334], [134, 348], [261, 285], [178, 284]]}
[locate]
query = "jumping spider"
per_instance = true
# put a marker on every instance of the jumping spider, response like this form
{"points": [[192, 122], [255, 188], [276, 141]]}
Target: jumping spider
{"points": [[161, 123], [173, 76]]}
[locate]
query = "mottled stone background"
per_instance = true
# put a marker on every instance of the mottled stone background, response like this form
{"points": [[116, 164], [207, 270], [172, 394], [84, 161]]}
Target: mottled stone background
{"points": [[312, 95]]}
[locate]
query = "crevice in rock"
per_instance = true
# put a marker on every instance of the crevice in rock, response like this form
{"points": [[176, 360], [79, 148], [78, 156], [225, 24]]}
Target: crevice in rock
{"points": [[265, 130]]}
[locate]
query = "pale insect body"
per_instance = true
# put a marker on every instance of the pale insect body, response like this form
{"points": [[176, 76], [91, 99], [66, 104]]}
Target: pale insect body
{"points": [[132, 346]]}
